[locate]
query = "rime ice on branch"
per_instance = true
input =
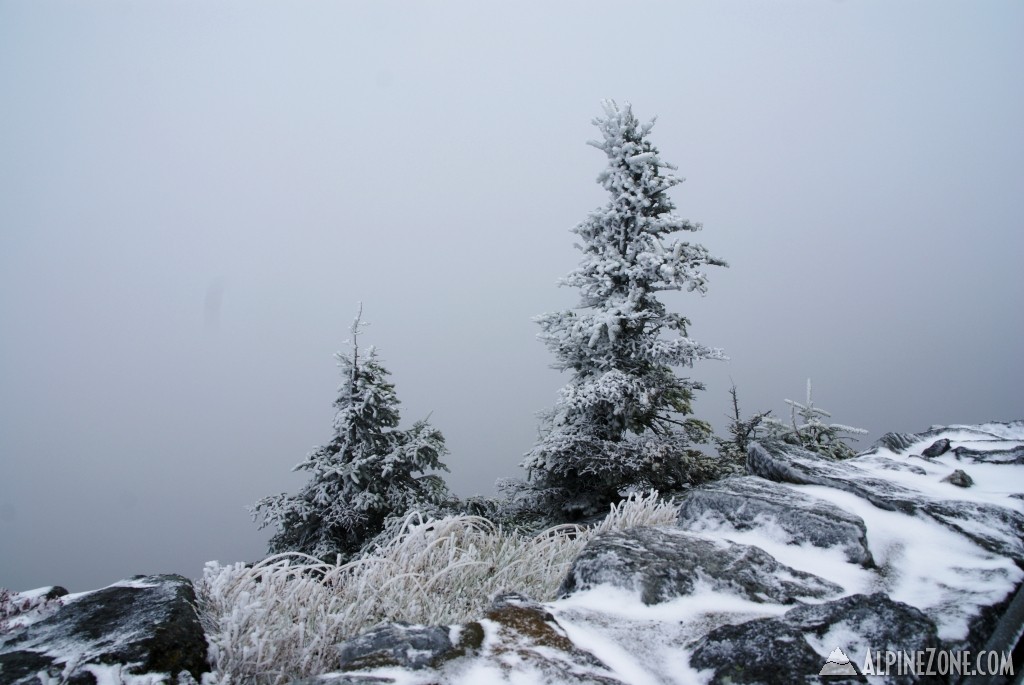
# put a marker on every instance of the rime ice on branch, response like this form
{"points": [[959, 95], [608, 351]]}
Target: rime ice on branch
{"points": [[619, 424], [811, 432]]}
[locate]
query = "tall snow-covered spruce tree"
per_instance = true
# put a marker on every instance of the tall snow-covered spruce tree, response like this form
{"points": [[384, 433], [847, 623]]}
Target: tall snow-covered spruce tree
{"points": [[369, 471], [622, 422]]}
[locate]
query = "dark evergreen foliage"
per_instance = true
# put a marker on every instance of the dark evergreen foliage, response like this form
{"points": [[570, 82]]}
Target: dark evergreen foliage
{"points": [[622, 422], [369, 471]]}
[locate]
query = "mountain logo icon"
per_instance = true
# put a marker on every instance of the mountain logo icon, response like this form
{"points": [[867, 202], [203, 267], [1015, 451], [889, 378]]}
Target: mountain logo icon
{"points": [[838, 664]]}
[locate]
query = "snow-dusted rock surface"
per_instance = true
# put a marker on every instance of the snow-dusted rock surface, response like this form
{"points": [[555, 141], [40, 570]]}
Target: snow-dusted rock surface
{"points": [[788, 648], [769, 578], [397, 644], [749, 503], [140, 631], [903, 486], [911, 562], [665, 563]]}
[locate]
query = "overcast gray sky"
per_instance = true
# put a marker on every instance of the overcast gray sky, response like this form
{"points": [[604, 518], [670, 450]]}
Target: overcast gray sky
{"points": [[194, 196]]}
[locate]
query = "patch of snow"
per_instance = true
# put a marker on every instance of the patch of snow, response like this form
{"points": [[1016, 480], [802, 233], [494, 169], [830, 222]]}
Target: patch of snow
{"points": [[926, 565], [681, 672], [993, 483], [135, 583], [626, 664], [492, 634], [1007, 431], [115, 674], [71, 597], [32, 607], [840, 636], [696, 607], [35, 594], [478, 671], [828, 563], [641, 642]]}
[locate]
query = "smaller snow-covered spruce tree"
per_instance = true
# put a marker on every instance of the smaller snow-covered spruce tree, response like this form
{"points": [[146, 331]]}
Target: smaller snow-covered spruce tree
{"points": [[368, 472], [733, 449], [807, 429], [621, 423]]}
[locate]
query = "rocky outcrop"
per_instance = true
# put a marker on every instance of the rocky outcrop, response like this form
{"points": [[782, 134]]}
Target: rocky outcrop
{"points": [[897, 442], [145, 625], [766, 581], [748, 502], [996, 528], [805, 567], [519, 633], [1006, 455], [396, 644], [777, 651], [665, 563]]}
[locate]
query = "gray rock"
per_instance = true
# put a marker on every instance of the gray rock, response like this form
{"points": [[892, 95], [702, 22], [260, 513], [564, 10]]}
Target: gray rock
{"points": [[776, 651], [147, 624], [993, 430], [665, 563], [54, 592], [888, 464], [996, 433], [936, 449], [959, 478], [395, 644], [995, 528], [1002, 453], [897, 442], [747, 502]]}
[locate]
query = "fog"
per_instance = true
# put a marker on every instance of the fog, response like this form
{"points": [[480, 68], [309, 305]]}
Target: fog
{"points": [[195, 196]]}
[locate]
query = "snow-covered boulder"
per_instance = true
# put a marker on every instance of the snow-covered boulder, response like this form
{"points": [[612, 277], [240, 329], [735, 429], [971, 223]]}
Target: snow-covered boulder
{"points": [[899, 486], [750, 503], [397, 644], [666, 563], [946, 574], [789, 648], [145, 625]]}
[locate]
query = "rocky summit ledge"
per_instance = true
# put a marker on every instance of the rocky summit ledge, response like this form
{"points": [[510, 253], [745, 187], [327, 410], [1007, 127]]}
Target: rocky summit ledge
{"points": [[802, 567], [766, 578], [146, 626]]}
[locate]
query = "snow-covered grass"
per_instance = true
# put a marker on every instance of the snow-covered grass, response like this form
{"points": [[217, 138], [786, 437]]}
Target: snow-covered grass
{"points": [[282, 618]]}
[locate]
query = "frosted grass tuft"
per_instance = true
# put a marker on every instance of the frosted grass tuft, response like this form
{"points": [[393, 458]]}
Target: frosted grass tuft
{"points": [[280, 619]]}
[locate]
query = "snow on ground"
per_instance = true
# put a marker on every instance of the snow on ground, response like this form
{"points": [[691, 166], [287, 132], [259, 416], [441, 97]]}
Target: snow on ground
{"points": [[919, 562], [924, 564], [25, 608], [642, 643]]}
